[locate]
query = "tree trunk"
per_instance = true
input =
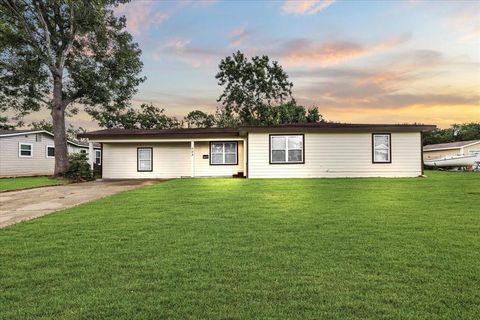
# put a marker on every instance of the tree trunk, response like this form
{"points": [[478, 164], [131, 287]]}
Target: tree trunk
{"points": [[58, 120]]}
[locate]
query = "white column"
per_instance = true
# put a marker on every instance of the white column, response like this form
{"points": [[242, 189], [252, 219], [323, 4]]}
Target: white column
{"points": [[91, 154], [245, 152], [192, 146]]}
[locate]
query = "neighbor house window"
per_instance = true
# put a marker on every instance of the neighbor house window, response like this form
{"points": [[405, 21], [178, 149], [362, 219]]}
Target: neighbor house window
{"points": [[83, 151], [223, 153], [25, 150], [144, 159], [98, 157], [50, 152], [381, 144], [286, 148]]}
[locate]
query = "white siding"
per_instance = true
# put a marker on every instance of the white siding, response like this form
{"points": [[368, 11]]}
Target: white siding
{"points": [[11, 165], [337, 155], [170, 160], [203, 167]]}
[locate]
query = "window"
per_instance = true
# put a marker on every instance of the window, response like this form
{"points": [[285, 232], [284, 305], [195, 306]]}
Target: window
{"points": [[38, 137], [98, 157], [223, 153], [83, 151], [25, 150], [381, 148], [286, 149], [144, 159], [50, 151]]}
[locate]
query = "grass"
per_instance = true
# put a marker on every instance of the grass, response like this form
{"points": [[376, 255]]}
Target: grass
{"points": [[8, 184], [253, 249]]}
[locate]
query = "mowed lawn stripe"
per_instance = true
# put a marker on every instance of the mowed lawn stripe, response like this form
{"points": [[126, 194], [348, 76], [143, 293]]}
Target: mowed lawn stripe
{"points": [[256, 249]]}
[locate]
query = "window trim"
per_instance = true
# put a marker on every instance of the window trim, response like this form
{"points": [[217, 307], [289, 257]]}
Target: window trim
{"points": [[151, 159], [285, 135], [222, 164], [389, 147], [46, 152], [20, 149], [95, 157]]}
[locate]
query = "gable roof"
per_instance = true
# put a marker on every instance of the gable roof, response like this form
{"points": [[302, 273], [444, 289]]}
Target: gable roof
{"points": [[450, 145], [12, 133], [242, 131]]}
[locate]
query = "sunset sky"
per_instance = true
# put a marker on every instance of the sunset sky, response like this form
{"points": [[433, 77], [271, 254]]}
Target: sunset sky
{"points": [[372, 62]]}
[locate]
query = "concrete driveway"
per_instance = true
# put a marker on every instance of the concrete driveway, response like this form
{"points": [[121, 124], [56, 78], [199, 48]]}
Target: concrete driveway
{"points": [[16, 206]]}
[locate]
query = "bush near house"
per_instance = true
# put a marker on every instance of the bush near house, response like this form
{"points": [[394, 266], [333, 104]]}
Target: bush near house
{"points": [[78, 168]]}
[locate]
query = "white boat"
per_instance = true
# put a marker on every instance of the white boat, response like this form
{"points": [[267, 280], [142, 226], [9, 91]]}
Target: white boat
{"points": [[454, 161]]}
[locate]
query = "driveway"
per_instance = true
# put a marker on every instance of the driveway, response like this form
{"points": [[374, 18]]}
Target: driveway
{"points": [[16, 206]]}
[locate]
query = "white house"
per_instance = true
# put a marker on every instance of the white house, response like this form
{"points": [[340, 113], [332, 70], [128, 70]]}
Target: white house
{"points": [[285, 151], [31, 152], [459, 148]]}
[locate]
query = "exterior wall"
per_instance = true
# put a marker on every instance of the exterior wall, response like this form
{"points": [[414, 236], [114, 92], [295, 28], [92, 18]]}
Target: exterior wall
{"points": [[170, 160], [337, 155], [430, 155], [203, 167], [469, 150], [11, 165]]}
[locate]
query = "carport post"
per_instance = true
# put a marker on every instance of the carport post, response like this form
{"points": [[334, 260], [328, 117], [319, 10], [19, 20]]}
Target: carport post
{"points": [[192, 146], [91, 154]]}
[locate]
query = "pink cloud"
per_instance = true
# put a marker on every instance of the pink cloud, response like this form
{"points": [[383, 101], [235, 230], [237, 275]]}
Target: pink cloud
{"points": [[308, 7], [307, 53], [239, 36], [141, 16]]}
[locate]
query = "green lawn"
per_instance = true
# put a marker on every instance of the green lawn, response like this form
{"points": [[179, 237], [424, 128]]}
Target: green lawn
{"points": [[253, 249], [7, 184]]}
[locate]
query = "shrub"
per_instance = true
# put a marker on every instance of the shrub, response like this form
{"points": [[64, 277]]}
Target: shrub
{"points": [[78, 168]]}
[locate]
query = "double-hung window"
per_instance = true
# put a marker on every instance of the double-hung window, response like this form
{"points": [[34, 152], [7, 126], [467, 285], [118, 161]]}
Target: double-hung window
{"points": [[144, 159], [25, 150], [98, 157], [223, 153], [381, 148], [287, 148], [50, 151]]}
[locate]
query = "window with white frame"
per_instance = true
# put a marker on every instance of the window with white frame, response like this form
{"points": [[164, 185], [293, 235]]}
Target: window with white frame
{"points": [[25, 150], [286, 149], [381, 145], [98, 157], [223, 153], [144, 159], [50, 151]]}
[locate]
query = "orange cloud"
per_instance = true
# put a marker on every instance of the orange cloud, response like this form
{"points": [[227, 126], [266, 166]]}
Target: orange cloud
{"points": [[308, 7], [306, 53]]}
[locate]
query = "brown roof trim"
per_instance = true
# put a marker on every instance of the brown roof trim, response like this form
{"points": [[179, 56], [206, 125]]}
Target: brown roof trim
{"points": [[162, 134], [325, 127], [331, 127]]}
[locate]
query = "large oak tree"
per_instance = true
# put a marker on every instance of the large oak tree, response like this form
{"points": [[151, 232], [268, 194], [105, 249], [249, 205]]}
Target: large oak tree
{"points": [[64, 54]]}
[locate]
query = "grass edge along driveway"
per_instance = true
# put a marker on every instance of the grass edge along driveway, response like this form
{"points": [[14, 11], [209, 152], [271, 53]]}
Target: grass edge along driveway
{"points": [[253, 249], [20, 183]]}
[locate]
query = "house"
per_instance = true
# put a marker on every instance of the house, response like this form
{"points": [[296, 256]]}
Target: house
{"points": [[32, 152], [310, 150], [442, 150]]}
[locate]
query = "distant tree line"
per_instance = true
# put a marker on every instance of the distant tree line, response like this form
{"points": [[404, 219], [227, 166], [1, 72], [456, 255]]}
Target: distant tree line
{"points": [[456, 132]]}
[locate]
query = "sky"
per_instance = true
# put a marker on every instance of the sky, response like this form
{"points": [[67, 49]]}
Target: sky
{"points": [[361, 62]]}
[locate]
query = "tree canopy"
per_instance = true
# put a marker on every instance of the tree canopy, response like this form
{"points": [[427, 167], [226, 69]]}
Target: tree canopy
{"points": [[257, 91], [456, 132], [63, 54]]}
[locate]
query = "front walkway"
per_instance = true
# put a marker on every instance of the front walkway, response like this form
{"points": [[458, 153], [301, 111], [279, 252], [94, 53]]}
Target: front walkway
{"points": [[16, 206]]}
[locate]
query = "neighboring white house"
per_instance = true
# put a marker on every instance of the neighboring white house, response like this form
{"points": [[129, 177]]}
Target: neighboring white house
{"points": [[285, 151], [459, 148], [31, 152]]}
